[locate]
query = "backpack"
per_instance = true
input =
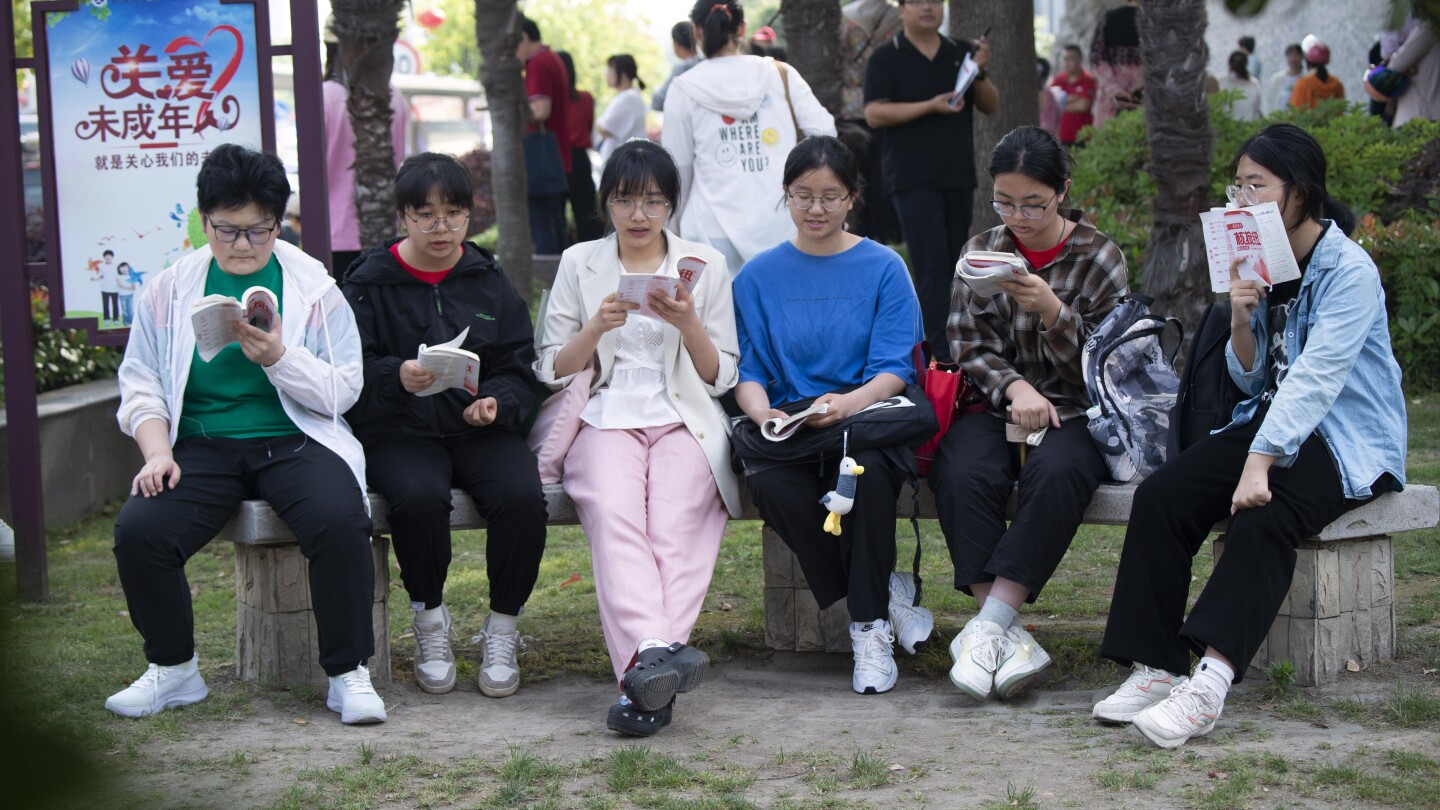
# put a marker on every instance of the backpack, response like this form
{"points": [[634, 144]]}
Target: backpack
{"points": [[1207, 394], [1132, 385]]}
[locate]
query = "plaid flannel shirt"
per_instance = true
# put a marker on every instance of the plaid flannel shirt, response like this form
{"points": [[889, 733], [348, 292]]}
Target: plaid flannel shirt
{"points": [[998, 343]]}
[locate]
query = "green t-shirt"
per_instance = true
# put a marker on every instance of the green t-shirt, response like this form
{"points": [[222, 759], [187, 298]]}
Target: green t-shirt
{"points": [[230, 396]]}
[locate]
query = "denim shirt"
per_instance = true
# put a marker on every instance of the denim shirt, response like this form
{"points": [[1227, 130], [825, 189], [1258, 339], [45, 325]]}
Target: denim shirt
{"points": [[1343, 379]]}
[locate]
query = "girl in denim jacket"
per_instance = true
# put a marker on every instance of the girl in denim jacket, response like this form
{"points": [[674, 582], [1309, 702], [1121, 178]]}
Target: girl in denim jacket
{"points": [[1322, 432]]}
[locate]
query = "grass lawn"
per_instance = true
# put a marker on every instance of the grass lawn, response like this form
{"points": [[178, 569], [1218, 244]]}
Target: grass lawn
{"points": [[65, 656]]}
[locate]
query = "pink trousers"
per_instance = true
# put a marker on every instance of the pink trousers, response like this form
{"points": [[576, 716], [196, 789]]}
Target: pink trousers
{"points": [[649, 505]]}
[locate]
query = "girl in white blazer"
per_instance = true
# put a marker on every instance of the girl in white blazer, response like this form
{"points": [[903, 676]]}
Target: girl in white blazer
{"points": [[649, 471]]}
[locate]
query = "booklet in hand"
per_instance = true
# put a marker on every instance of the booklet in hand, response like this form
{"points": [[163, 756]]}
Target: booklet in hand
{"points": [[214, 317], [778, 429], [635, 288], [984, 269], [1255, 235], [454, 367], [966, 77]]}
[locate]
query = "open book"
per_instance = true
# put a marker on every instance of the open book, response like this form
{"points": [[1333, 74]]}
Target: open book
{"points": [[214, 317], [635, 288], [779, 429], [454, 367], [1256, 235], [983, 269]]}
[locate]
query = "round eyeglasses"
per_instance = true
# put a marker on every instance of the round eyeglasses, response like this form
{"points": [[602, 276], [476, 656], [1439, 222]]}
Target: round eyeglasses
{"points": [[653, 207], [430, 223], [801, 201], [1031, 212], [1249, 194]]}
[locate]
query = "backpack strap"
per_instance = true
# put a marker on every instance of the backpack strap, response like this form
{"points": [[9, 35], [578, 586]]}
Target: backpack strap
{"points": [[915, 525], [785, 82]]}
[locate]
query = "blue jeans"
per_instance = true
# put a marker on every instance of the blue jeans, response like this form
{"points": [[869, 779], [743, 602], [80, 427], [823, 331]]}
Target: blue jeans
{"points": [[127, 308]]}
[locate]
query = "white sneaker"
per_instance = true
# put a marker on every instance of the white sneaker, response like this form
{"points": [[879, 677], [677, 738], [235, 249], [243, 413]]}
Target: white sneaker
{"points": [[354, 698], [499, 672], [1188, 712], [874, 649], [978, 651], [1144, 688], [912, 624], [434, 660], [1026, 661], [160, 688]]}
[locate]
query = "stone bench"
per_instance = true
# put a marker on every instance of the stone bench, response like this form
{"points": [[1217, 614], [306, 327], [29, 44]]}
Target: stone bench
{"points": [[1340, 606]]}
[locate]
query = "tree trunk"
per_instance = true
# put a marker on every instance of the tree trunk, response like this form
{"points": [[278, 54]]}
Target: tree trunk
{"points": [[1172, 44], [497, 28], [812, 44], [1012, 70], [367, 30]]}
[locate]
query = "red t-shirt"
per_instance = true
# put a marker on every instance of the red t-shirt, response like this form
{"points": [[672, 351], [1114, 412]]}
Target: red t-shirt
{"points": [[1039, 259], [582, 120], [427, 277], [545, 77], [1083, 86]]}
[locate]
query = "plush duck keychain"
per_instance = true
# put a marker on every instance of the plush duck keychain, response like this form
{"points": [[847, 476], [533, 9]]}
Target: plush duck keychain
{"points": [[841, 499]]}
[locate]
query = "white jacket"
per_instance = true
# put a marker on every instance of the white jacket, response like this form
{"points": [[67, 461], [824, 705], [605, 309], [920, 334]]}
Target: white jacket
{"points": [[729, 129], [590, 271], [318, 377]]}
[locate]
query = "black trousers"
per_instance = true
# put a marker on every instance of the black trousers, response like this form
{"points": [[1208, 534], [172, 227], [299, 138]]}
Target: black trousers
{"points": [[313, 491], [974, 472], [1173, 512], [498, 470], [110, 306], [936, 225], [856, 564], [547, 224], [588, 225]]}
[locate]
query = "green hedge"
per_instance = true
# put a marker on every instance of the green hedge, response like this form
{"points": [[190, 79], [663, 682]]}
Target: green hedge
{"points": [[64, 356]]}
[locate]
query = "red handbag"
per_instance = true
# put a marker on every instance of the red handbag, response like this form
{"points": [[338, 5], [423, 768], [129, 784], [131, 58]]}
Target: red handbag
{"points": [[951, 393]]}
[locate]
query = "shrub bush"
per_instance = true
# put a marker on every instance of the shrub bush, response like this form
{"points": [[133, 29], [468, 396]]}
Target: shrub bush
{"points": [[64, 356]]}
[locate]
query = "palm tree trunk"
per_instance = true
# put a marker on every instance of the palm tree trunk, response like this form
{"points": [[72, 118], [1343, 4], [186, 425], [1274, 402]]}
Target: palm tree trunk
{"points": [[367, 30], [498, 32], [1011, 70], [812, 44], [1172, 44]]}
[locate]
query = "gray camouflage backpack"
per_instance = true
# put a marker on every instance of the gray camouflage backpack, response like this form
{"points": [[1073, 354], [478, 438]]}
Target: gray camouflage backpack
{"points": [[1132, 384]]}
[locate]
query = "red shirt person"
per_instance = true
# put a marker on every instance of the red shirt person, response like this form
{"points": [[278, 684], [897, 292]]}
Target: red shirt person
{"points": [[1079, 86], [547, 89]]}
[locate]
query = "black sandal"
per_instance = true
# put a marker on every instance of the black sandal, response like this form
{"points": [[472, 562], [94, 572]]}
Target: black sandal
{"points": [[660, 672], [627, 718]]}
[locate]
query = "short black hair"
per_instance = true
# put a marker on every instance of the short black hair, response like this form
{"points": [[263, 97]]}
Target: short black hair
{"points": [[426, 172], [1248, 43], [1295, 48], [824, 152], [1042, 70], [122, 264], [233, 176], [1034, 153], [530, 29], [1076, 48], [109, 253], [633, 167], [683, 34]]}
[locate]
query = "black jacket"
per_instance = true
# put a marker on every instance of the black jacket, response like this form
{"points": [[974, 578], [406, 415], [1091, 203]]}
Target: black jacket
{"points": [[397, 312]]}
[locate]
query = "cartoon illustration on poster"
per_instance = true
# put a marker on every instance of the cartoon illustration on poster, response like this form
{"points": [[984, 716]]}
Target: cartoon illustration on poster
{"points": [[140, 91]]}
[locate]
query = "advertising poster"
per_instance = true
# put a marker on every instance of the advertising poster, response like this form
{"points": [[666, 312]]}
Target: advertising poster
{"points": [[140, 91]]}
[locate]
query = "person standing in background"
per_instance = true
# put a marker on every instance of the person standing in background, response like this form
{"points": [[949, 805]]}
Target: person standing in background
{"points": [[1282, 82], [1418, 57], [1318, 85], [1115, 58], [547, 89], [581, 176], [1079, 86], [1252, 62], [864, 26], [624, 116], [1238, 77], [1051, 98], [682, 39]]}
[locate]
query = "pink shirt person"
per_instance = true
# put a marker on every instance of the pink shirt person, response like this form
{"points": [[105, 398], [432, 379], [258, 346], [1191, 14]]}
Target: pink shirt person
{"points": [[340, 156]]}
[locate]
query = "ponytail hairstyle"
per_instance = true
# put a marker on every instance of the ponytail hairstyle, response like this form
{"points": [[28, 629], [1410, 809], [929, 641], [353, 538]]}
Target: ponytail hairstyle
{"points": [[718, 22], [1239, 65], [624, 66], [569, 62], [1321, 72], [1293, 155], [1034, 153]]}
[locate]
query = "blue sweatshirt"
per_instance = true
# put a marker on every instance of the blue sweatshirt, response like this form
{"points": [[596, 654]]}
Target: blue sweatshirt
{"points": [[810, 325]]}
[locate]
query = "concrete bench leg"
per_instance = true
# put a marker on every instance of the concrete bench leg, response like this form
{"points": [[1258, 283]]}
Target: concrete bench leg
{"points": [[1341, 607], [793, 619], [275, 636]]}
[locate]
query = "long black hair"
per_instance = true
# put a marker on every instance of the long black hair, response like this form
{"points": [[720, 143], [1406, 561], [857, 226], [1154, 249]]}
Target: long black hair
{"points": [[632, 168], [1035, 153], [1293, 155], [569, 63], [431, 171], [719, 23]]}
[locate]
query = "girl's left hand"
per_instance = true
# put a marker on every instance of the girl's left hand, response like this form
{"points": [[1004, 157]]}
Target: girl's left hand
{"points": [[679, 311], [1031, 293], [261, 347], [1254, 487], [841, 407], [481, 412]]}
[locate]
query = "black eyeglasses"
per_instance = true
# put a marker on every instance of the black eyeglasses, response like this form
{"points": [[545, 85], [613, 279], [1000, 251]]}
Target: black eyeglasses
{"points": [[227, 234]]}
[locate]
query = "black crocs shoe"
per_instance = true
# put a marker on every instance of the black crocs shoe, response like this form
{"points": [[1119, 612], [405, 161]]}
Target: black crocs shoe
{"points": [[660, 672], [627, 718]]}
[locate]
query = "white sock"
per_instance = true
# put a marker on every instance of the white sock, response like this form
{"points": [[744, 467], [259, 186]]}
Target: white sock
{"points": [[501, 622], [651, 643], [430, 616], [1213, 676], [998, 612]]}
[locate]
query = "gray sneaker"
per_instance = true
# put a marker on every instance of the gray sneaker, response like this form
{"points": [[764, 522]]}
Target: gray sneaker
{"points": [[499, 672], [434, 660]]}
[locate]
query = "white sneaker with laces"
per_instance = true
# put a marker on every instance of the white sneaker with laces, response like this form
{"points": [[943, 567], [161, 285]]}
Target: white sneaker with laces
{"points": [[434, 660], [1025, 662], [499, 671], [160, 688], [1189, 711], [1144, 688], [354, 698], [874, 649], [978, 652], [912, 624]]}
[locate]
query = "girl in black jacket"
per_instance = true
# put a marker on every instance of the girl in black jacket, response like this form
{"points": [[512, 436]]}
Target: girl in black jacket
{"points": [[428, 287]]}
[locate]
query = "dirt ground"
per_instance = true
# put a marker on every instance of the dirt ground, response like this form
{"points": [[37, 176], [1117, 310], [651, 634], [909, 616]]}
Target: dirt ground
{"points": [[792, 723]]}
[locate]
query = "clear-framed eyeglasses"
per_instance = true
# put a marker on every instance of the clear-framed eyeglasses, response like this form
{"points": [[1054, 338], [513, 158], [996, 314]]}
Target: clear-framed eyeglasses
{"points": [[652, 207], [1248, 194], [430, 223], [1031, 212], [227, 234], [802, 201]]}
